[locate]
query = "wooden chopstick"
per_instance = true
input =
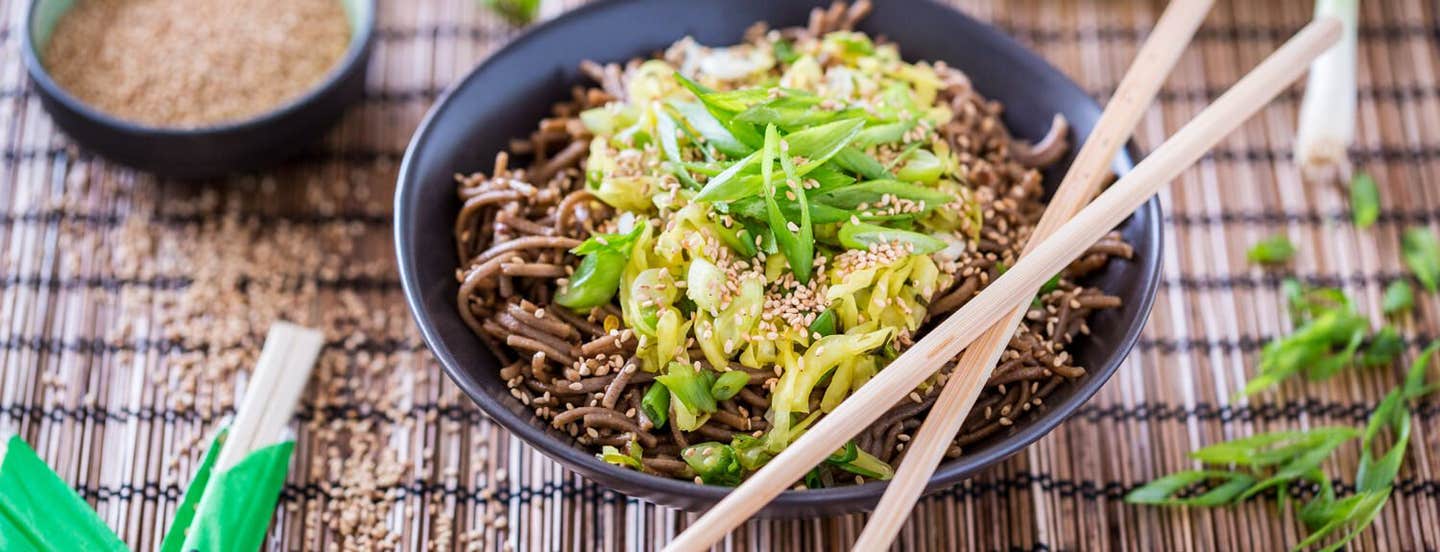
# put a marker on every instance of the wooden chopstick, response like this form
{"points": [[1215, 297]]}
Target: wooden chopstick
{"points": [[275, 386], [1012, 288], [1153, 63]]}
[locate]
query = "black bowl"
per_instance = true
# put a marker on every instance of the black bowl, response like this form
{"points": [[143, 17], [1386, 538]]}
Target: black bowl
{"points": [[507, 94], [211, 150]]}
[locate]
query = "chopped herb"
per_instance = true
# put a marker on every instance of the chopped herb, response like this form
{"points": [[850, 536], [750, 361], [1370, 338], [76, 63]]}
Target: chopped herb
{"points": [[1050, 285], [1415, 386], [715, 463], [656, 404], [1399, 297], [824, 324], [1421, 252], [597, 278], [795, 237], [727, 385], [785, 52], [516, 12], [1384, 347], [862, 236], [1272, 250], [1364, 200], [1328, 336], [1166, 491], [690, 398]]}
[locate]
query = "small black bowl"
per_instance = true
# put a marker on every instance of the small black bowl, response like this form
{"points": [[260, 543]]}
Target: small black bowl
{"points": [[507, 94], [208, 151]]}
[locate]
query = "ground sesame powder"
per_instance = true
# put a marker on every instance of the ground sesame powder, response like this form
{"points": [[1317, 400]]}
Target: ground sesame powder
{"points": [[189, 63]]}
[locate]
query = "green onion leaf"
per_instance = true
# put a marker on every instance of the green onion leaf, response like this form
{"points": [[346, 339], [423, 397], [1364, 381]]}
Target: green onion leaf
{"points": [[724, 105], [1421, 252], [1378, 473], [819, 143], [1383, 348], [711, 129], [862, 236], [728, 185], [1399, 297], [1269, 449], [863, 164], [797, 244], [1165, 491], [689, 388], [1327, 517], [813, 479], [887, 133], [1364, 200], [1415, 386], [1272, 250], [794, 111], [670, 145], [1321, 443], [871, 192], [754, 208]]}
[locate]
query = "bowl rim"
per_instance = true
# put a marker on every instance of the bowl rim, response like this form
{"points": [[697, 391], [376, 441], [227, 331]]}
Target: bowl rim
{"points": [[948, 473], [355, 52]]}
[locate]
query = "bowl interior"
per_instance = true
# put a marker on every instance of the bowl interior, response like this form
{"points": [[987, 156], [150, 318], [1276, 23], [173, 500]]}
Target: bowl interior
{"points": [[46, 14], [506, 95]]}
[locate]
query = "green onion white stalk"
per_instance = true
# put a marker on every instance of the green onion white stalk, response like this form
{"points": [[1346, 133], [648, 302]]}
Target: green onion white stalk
{"points": [[1327, 114]]}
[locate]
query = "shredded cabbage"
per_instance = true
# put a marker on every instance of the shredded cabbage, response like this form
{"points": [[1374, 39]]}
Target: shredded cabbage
{"points": [[819, 148]]}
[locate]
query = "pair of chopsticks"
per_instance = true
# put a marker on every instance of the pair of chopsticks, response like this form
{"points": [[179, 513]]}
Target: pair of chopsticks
{"points": [[228, 506], [1013, 289], [1153, 62], [280, 375]]}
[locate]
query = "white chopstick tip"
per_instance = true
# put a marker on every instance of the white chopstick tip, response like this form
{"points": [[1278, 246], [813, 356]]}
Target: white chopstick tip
{"points": [[280, 375]]}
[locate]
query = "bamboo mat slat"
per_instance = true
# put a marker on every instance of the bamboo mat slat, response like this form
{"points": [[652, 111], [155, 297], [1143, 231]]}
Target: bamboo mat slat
{"points": [[132, 308]]}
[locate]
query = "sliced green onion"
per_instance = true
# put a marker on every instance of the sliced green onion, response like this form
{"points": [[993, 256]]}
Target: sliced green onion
{"points": [[862, 236], [825, 323], [729, 384], [597, 278], [656, 404], [872, 192], [715, 463], [863, 164], [1421, 252], [1364, 200], [796, 240], [1273, 250], [1398, 297], [688, 387], [1165, 491]]}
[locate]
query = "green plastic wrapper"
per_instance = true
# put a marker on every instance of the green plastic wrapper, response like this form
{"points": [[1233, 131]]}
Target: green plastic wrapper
{"points": [[230, 511], [185, 514], [40, 512]]}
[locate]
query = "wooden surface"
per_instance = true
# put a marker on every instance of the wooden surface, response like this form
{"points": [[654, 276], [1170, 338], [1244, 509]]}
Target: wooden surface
{"points": [[116, 288]]}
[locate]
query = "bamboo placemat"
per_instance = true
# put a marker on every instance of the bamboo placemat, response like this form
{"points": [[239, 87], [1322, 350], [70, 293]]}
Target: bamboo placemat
{"points": [[131, 309]]}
